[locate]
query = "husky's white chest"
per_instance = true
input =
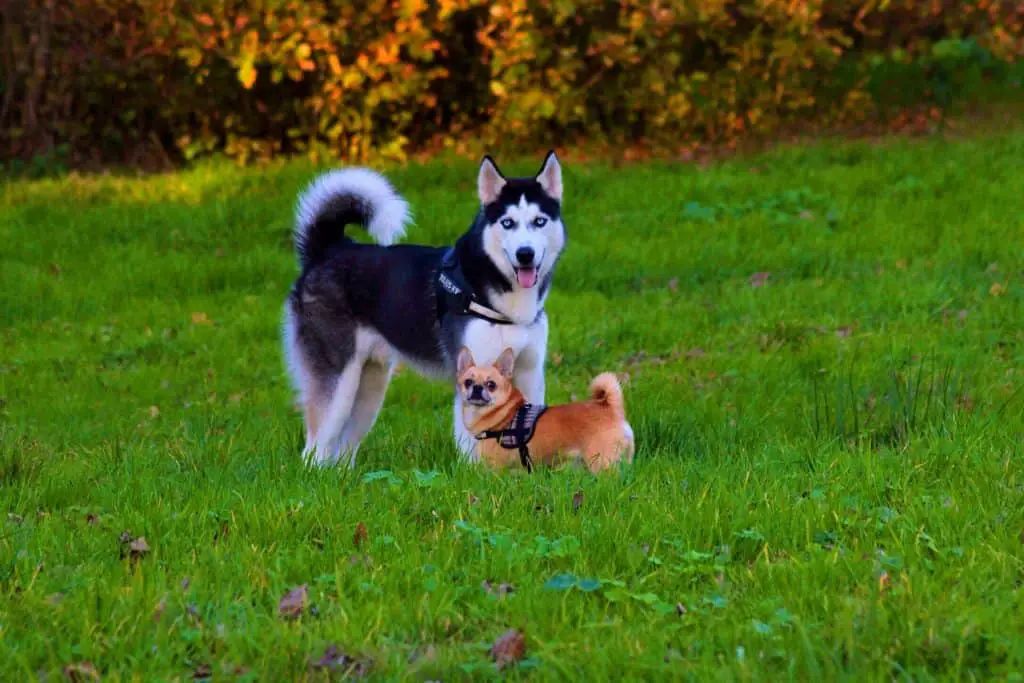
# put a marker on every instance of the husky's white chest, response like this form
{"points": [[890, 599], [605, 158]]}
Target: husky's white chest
{"points": [[486, 340]]}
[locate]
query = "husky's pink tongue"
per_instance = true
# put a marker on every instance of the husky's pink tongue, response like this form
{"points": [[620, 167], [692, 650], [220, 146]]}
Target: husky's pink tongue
{"points": [[527, 277]]}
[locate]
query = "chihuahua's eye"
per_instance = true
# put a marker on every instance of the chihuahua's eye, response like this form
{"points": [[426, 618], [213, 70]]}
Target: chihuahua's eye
{"points": [[491, 386], [468, 383], [539, 222], [508, 223]]}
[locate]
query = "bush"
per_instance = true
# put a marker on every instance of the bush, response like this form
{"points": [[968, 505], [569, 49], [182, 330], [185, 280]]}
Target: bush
{"points": [[139, 81]]}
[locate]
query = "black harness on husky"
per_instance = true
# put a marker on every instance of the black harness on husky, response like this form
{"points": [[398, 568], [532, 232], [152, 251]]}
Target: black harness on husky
{"points": [[454, 294], [518, 435]]}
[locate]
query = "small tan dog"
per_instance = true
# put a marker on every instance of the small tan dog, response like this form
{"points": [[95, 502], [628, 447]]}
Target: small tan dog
{"points": [[509, 431]]}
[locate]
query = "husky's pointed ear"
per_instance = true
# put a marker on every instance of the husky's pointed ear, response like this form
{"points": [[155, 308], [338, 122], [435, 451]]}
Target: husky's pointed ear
{"points": [[489, 181], [550, 176], [464, 362], [506, 361]]}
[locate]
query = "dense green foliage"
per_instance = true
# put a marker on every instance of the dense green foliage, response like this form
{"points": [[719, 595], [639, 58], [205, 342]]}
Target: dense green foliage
{"points": [[155, 81]]}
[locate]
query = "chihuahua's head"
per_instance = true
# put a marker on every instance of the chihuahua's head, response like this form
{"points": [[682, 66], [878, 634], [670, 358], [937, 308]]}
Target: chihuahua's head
{"points": [[485, 385]]}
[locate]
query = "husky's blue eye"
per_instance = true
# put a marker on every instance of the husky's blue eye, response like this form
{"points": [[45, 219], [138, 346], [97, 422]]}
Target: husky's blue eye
{"points": [[539, 222], [508, 223]]}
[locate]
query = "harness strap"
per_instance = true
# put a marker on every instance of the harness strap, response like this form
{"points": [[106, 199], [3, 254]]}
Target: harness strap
{"points": [[454, 294], [519, 433]]}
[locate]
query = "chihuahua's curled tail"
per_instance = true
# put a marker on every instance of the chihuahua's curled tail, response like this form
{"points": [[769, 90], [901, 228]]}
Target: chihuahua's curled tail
{"points": [[605, 389]]}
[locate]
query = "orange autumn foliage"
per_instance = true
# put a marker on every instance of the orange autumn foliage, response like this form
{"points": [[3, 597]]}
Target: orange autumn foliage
{"points": [[109, 79]]}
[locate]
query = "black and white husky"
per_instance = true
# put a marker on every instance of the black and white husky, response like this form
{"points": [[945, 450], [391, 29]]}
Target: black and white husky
{"points": [[357, 309]]}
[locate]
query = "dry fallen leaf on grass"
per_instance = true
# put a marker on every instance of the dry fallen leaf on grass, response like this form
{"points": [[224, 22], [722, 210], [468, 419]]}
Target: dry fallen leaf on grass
{"points": [[293, 604], [158, 611], [335, 660], [500, 590], [509, 648], [427, 653], [138, 548], [202, 672], [199, 318], [759, 279], [577, 501], [80, 672], [360, 536], [135, 548]]}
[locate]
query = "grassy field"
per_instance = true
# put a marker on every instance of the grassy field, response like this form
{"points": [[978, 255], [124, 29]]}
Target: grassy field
{"points": [[824, 348]]}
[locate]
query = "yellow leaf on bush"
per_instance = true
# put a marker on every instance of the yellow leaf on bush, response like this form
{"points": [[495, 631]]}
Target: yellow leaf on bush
{"points": [[247, 74], [193, 56], [205, 19], [251, 42], [307, 65], [498, 89], [335, 65], [303, 51], [351, 79]]}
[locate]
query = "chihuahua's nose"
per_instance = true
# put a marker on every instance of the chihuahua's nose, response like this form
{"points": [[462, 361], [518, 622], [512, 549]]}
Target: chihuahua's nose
{"points": [[525, 256], [477, 392]]}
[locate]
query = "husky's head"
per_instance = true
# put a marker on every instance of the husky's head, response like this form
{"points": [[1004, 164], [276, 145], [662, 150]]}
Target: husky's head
{"points": [[522, 232]]}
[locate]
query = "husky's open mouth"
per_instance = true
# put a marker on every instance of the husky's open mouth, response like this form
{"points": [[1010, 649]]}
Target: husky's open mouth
{"points": [[526, 277]]}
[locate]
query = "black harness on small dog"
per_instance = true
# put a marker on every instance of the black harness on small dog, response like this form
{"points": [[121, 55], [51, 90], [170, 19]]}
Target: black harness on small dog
{"points": [[456, 296], [519, 434]]}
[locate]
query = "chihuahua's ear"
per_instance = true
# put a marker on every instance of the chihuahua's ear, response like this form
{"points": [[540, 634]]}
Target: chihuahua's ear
{"points": [[489, 181], [506, 361], [464, 362], [550, 176]]}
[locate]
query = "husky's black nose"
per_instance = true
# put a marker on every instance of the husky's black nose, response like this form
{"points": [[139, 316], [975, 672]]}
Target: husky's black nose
{"points": [[525, 256]]}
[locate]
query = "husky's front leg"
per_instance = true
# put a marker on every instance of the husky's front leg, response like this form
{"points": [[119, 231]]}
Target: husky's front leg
{"points": [[464, 441], [528, 373]]}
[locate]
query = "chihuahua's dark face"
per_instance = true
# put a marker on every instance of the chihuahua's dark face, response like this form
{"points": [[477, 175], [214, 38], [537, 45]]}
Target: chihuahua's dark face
{"points": [[482, 385]]}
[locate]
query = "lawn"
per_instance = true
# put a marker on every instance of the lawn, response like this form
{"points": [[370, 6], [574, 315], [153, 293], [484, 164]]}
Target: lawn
{"points": [[824, 353]]}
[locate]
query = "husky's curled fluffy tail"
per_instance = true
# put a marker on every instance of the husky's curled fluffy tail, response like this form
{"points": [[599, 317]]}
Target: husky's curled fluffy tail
{"points": [[605, 389], [340, 198]]}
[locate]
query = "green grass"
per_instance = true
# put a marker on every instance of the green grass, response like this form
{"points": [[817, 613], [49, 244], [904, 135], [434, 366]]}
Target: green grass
{"points": [[828, 483]]}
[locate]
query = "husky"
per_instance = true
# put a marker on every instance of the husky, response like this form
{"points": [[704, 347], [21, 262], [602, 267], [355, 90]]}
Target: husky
{"points": [[358, 309]]}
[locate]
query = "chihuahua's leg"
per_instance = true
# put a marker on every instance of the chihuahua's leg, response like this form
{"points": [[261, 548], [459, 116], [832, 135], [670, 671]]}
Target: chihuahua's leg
{"points": [[600, 456], [607, 449], [528, 374]]}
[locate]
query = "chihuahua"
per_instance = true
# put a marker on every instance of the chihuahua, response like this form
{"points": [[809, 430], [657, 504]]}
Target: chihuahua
{"points": [[510, 431]]}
